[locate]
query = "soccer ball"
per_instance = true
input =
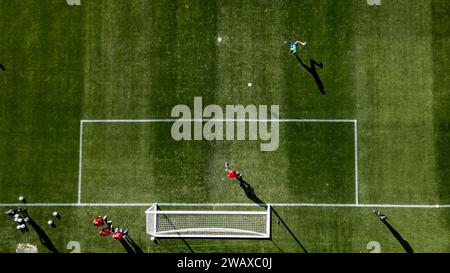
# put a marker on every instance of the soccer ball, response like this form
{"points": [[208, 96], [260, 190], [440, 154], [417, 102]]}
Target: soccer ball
{"points": [[55, 213], [219, 39], [249, 84], [21, 198]]}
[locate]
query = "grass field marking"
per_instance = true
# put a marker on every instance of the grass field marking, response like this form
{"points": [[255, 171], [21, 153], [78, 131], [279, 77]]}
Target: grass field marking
{"points": [[354, 121], [220, 120], [355, 126], [80, 163], [374, 246], [226, 205], [74, 246], [73, 2]]}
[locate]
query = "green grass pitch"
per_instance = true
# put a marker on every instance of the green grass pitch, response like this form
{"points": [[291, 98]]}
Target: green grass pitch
{"points": [[385, 69]]}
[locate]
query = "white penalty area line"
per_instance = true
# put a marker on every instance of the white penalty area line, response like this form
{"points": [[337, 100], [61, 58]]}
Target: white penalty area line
{"points": [[213, 119], [355, 134], [293, 120], [80, 163], [225, 205]]}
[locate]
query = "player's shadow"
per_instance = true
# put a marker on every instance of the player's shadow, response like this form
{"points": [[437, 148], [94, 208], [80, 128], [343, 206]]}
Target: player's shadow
{"points": [[45, 240], [250, 192], [127, 247], [312, 70], [406, 246], [281, 221], [130, 245]]}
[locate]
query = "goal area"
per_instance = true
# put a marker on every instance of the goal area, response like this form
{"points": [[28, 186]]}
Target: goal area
{"points": [[171, 223]]}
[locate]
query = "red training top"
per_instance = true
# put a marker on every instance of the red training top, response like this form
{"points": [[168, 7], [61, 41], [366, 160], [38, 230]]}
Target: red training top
{"points": [[105, 232], [98, 222], [117, 236], [231, 173]]}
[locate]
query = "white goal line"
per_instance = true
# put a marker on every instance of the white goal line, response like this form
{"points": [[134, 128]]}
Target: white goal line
{"points": [[225, 205]]}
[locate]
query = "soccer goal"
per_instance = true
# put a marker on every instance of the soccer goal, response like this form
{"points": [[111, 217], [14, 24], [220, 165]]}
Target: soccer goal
{"points": [[208, 223]]}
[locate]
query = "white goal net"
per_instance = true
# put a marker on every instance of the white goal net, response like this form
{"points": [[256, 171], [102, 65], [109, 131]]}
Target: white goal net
{"points": [[208, 223]]}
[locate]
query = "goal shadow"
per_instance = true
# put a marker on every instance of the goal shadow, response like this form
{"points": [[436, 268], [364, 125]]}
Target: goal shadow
{"points": [[250, 193], [281, 221]]}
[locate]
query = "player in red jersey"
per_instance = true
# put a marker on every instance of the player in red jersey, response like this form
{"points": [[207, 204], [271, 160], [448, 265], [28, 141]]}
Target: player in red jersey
{"points": [[104, 232], [117, 234], [232, 174], [98, 221]]}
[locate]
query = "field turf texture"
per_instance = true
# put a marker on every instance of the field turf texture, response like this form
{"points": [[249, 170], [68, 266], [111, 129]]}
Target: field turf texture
{"points": [[385, 66]]}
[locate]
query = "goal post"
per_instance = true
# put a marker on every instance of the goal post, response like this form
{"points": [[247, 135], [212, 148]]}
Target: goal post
{"points": [[208, 223]]}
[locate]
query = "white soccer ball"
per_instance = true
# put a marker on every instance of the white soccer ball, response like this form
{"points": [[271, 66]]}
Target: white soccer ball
{"points": [[50, 222], [21, 198], [55, 213], [219, 39], [249, 84]]}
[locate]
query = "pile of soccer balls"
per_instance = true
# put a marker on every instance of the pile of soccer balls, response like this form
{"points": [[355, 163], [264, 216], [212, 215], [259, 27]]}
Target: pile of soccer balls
{"points": [[21, 217]]}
